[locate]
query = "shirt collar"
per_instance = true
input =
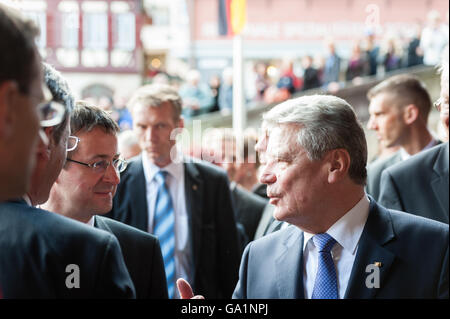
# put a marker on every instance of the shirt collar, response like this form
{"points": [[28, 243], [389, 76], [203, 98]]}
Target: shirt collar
{"points": [[175, 169], [27, 199], [91, 221], [348, 229]]}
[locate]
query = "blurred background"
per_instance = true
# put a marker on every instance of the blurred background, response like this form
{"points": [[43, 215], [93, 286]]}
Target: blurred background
{"points": [[106, 49]]}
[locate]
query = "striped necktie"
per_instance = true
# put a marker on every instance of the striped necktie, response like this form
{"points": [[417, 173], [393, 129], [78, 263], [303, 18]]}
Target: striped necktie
{"points": [[164, 229], [325, 286]]}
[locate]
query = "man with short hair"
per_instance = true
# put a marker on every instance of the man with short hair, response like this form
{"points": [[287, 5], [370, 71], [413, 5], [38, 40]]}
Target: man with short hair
{"points": [[166, 193], [420, 185], [340, 242], [222, 146], [20, 94], [52, 155], [399, 108], [315, 171], [43, 255], [85, 188]]}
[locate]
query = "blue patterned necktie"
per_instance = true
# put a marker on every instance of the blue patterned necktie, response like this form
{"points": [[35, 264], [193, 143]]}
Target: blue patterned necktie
{"points": [[325, 286], [164, 229]]}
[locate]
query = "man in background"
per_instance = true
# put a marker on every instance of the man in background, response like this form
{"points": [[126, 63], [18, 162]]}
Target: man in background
{"points": [[420, 185], [399, 109], [165, 193]]}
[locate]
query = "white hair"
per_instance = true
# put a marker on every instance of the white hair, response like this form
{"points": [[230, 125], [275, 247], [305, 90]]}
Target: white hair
{"points": [[325, 123]]}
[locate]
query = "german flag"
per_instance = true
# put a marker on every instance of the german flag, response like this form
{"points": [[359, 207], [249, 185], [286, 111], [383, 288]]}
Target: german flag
{"points": [[232, 16]]}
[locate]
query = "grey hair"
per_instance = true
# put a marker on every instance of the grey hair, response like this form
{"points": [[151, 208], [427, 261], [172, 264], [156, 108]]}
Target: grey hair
{"points": [[86, 117], [61, 93], [325, 123], [154, 95], [58, 87]]}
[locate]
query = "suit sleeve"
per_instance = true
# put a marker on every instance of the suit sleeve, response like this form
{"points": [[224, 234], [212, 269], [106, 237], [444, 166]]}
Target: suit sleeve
{"points": [[228, 240], [113, 278], [240, 292], [158, 275], [389, 192]]}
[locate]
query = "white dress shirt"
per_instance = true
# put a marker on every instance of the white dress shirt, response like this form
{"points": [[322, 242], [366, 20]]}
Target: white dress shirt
{"points": [[175, 183], [91, 222], [347, 232]]}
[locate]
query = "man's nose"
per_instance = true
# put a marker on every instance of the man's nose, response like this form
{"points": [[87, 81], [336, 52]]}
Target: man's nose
{"points": [[267, 177], [112, 175], [371, 124]]}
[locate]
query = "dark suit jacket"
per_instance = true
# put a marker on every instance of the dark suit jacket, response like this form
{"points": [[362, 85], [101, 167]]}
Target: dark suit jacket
{"points": [[215, 247], [249, 208], [36, 246], [374, 171], [413, 252], [142, 256], [419, 185]]}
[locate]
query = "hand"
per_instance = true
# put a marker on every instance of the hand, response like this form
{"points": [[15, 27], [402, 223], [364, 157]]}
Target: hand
{"points": [[185, 290]]}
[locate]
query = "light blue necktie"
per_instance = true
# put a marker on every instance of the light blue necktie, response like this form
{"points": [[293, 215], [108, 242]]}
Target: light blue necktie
{"points": [[164, 229], [325, 286]]}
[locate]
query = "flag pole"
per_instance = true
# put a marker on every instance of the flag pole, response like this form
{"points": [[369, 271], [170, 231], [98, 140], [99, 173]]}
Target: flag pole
{"points": [[239, 110]]}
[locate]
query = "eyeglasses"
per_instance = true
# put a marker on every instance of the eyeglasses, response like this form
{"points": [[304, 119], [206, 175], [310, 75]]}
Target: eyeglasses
{"points": [[441, 105], [51, 113], [100, 167], [72, 143]]}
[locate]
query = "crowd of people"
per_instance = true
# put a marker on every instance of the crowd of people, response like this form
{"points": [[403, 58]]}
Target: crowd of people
{"points": [[302, 217], [374, 53]]}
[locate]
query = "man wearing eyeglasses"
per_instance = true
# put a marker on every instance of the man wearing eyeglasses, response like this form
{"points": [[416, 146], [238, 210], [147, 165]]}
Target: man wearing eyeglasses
{"points": [[85, 189], [42, 253], [420, 185]]}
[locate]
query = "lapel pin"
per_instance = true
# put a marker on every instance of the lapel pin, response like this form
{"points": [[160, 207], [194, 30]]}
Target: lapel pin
{"points": [[378, 264], [194, 187]]}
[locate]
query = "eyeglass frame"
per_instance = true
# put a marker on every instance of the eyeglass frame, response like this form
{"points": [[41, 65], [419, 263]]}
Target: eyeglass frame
{"points": [[125, 164], [77, 140], [48, 101]]}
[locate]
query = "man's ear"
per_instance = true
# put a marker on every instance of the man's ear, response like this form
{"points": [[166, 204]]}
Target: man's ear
{"points": [[339, 164], [410, 113], [9, 95]]}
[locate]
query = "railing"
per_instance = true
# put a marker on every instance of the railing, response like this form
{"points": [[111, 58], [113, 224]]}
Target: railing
{"points": [[354, 94]]}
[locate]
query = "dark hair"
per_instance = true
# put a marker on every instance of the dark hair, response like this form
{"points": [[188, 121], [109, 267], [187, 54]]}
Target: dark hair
{"points": [[86, 117], [61, 94], [403, 90], [17, 48]]}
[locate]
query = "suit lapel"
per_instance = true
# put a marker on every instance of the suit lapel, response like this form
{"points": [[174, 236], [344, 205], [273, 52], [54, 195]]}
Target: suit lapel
{"points": [[100, 224], [377, 232], [439, 183], [194, 205], [138, 193], [289, 266]]}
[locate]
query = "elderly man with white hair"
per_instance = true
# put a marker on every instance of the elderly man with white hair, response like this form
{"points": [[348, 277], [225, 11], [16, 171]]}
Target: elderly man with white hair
{"points": [[340, 243]]}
